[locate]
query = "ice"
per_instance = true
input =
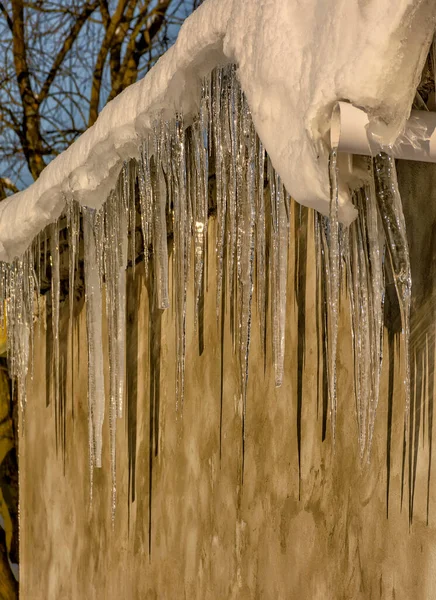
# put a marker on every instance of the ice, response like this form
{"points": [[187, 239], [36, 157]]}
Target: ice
{"points": [[391, 211], [73, 225], [366, 293], [145, 202], [201, 197], [279, 269], [246, 245], [218, 105], [96, 394], [333, 286], [182, 232], [158, 172], [18, 291], [112, 239], [261, 274], [55, 299], [178, 122]]}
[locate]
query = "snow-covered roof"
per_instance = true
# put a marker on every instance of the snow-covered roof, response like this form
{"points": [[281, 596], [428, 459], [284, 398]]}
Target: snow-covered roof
{"points": [[295, 61]]}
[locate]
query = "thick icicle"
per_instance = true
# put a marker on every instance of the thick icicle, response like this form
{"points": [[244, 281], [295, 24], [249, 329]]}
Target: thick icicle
{"points": [[73, 224], [112, 234], [201, 198], [181, 251], [145, 202], [231, 132], [279, 269], [391, 212], [154, 168], [55, 299], [366, 294], [221, 183], [19, 294], [377, 286], [96, 397], [333, 286], [246, 202], [129, 186], [261, 275]]}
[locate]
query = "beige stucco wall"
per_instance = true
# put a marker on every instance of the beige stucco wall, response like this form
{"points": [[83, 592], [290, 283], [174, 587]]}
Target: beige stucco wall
{"points": [[210, 538]]}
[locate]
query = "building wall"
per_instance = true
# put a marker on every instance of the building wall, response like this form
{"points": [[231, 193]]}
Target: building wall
{"points": [[325, 535]]}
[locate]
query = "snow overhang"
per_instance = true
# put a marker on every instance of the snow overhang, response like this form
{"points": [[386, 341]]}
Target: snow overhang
{"points": [[295, 62]]}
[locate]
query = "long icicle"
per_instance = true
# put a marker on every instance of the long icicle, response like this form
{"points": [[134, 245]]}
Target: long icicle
{"points": [[96, 397], [246, 201], [334, 285], [55, 299], [391, 212], [279, 269]]}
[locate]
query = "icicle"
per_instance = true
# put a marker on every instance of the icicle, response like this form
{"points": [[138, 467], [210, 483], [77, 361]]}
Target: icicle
{"points": [[279, 270], [73, 224], [391, 212], [181, 252], [246, 201], [156, 174], [333, 285], [129, 185], [121, 213], [221, 185], [377, 287], [360, 307], [231, 133], [19, 317], [96, 399], [201, 150], [55, 298], [145, 201], [115, 240], [261, 280]]}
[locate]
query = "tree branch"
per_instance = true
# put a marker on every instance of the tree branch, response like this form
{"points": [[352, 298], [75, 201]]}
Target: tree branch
{"points": [[31, 131], [87, 11], [101, 59], [138, 46], [7, 17]]}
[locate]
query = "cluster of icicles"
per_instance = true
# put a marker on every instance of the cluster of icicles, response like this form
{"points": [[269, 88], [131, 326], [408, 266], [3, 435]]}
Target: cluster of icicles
{"points": [[170, 182]]}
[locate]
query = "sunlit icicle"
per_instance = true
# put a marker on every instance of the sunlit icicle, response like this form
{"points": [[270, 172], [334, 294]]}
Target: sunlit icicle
{"points": [[231, 129], [115, 218], [261, 280], [221, 184], [121, 231], [279, 270], [155, 173], [201, 217], [55, 297], [33, 291], [73, 225], [360, 308], [199, 212], [19, 317], [129, 186], [391, 212], [377, 286], [334, 285], [109, 219], [96, 397], [246, 221], [181, 251], [145, 200]]}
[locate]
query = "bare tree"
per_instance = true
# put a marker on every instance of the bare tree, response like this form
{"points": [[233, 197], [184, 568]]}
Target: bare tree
{"points": [[61, 62]]}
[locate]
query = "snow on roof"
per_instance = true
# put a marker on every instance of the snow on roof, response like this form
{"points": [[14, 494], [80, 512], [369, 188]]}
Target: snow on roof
{"points": [[295, 61]]}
